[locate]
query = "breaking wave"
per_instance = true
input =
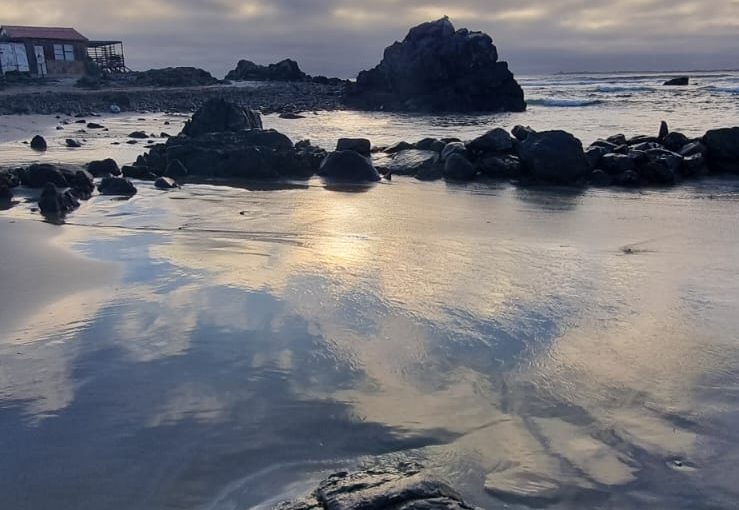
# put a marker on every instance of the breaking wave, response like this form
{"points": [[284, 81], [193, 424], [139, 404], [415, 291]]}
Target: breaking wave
{"points": [[563, 103]]}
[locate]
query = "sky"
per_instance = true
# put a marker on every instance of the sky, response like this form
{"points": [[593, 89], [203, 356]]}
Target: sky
{"points": [[342, 37]]}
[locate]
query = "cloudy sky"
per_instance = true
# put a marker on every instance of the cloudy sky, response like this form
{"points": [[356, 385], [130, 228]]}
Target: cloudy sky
{"points": [[341, 37]]}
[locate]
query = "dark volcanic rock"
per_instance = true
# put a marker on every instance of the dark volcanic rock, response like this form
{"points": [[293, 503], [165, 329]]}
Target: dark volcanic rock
{"points": [[615, 164], [175, 77], [407, 162], [72, 143], [176, 170], [459, 168], [360, 145], [38, 143], [521, 133], [219, 115], [138, 172], [453, 148], [723, 149], [553, 156], [57, 201], [348, 166], [285, 70], [82, 184], [430, 144], [37, 176], [103, 168], [138, 135], [117, 186], [495, 141], [499, 167], [397, 147], [675, 141], [680, 81], [438, 68], [401, 487], [599, 178]]}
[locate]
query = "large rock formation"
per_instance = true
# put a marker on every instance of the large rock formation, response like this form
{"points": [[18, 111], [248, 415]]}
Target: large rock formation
{"points": [[219, 115], [284, 70], [437, 68], [402, 487], [175, 77]]}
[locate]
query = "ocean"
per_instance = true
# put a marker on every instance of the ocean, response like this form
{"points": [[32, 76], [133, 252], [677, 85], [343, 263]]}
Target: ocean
{"points": [[227, 347]]}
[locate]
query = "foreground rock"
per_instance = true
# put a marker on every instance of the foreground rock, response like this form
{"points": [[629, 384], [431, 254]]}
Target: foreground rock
{"points": [[437, 68], [722, 146], [117, 186], [348, 166], [103, 168], [38, 143], [401, 487], [219, 115], [553, 157], [57, 202]]}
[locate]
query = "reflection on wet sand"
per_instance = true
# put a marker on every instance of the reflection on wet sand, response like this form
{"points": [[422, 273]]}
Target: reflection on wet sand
{"points": [[503, 336]]}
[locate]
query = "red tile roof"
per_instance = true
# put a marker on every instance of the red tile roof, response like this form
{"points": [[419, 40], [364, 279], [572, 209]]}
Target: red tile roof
{"points": [[57, 34]]}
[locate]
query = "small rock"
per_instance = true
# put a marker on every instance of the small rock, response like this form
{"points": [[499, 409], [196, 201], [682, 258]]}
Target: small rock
{"points": [[453, 148], [348, 166], [114, 108], [360, 145], [72, 143], [38, 143], [103, 168], [57, 202], [680, 81], [117, 186], [457, 167], [400, 146], [93, 125], [140, 135], [165, 183]]}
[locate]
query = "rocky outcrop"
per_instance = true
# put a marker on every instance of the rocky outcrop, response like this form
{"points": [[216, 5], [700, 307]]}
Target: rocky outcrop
{"points": [[436, 69], [401, 487], [103, 168], [219, 115], [174, 77], [284, 70], [553, 157]]}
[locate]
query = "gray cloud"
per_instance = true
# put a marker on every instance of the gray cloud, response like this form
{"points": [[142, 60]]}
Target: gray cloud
{"points": [[341, 37]]}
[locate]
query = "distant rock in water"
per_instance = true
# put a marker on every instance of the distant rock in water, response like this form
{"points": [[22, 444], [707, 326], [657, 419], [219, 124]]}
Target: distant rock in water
{"points": [[439, 69], [285, 70], [175, 77], [680, 81], [219, 115]]}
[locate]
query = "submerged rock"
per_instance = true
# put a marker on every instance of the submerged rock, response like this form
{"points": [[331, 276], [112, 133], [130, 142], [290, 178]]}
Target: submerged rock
{"points": [[554, 156], [438, 68], [166, 183], [401, 487], [348, 166], [219, 115], [680, 81]]}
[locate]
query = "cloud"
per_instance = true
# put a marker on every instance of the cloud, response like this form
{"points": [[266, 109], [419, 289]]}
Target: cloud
{"points": [[341, 37]]}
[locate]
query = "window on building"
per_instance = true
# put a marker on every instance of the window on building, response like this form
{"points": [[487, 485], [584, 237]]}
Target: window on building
{"points": [[58, 52], [69, 52]]}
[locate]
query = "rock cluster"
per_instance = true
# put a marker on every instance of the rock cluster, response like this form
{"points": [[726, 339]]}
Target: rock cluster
{"points": [[174, 77], [437, 68], [401, 487], [284, 70]]}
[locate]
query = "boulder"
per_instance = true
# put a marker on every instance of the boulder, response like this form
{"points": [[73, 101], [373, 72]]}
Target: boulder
{"points": [[430, 144], [94, 125], [397, 147], [693, 148], [615, 164], [138, 135], [72, 143], [348, 166], [57, 202], [520, 133], [634, 140], [694, 165], [459, 168], [675, 141], [103, 168], [554, 156], [360, 145], [285, 70], [38, 143], [38, 175], [165, 183], [593, 154], [499, 167], [117, 186], [494, 141], [408, 162], [219, 115], [453, 148], [680, 81], [404, 486], [82, 184], [618, 139], [661, 167], [437, 68], [723, 149]]}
